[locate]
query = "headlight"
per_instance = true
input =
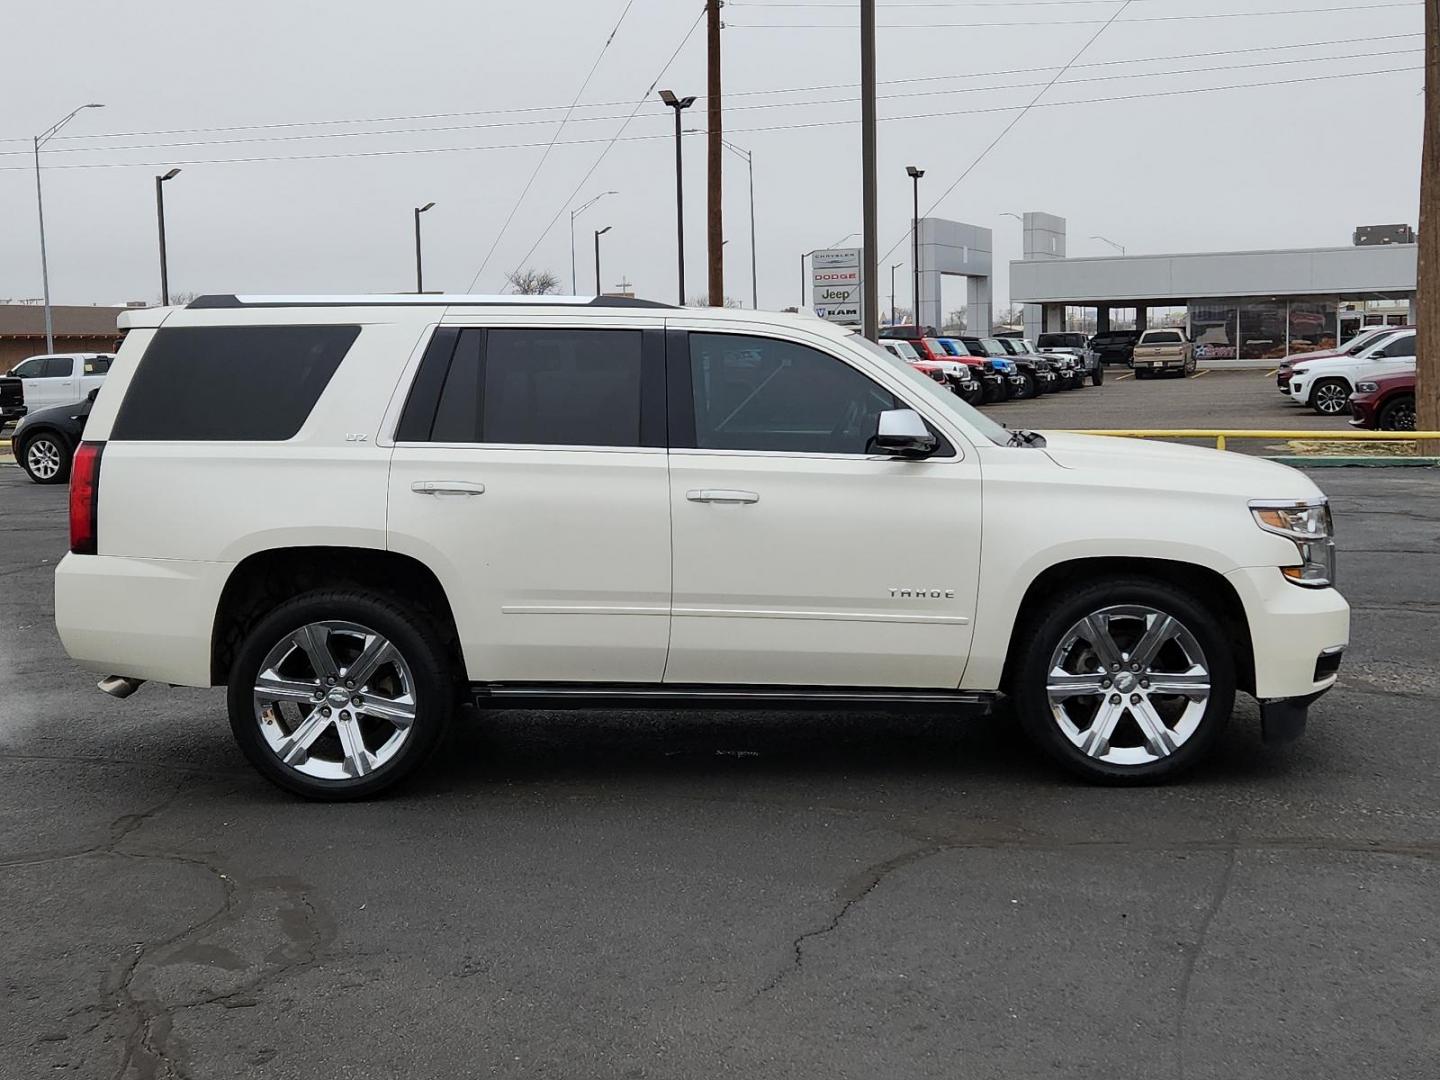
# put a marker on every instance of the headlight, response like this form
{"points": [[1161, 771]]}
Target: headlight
{"points": [[1309, 526], [1298, 371], [1366, 387]]}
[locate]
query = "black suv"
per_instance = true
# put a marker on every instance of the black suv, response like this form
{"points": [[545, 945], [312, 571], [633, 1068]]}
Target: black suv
{"points": [[1115, 346]]}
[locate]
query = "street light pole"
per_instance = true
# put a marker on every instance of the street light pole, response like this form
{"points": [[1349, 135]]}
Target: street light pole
{"points": [[1118, 247], [39, 141], [679, 104], [419, 265], [915, 175], [160, 215], [599, 233], [574, 286], [893, 268], [749, 157]]}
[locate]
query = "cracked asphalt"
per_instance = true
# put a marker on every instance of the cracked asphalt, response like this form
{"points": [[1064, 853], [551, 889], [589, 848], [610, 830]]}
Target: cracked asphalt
{"points": [[619, 894]]}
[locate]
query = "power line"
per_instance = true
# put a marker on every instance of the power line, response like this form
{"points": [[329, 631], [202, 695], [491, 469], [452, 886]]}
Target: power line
{"points": [[619, 132], [1080, 22], [613, 104], [544, 157], [377, 133], [737, 131], [1124, 7]]}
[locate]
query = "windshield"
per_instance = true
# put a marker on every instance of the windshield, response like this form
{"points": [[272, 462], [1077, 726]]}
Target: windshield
{"points": [[993, 347], [1364, 339], [950, 347], [937, 395], [901, 348]]}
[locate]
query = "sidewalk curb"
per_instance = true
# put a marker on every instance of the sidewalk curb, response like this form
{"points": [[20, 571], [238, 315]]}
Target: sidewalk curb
{"points": [[1358, 462]]}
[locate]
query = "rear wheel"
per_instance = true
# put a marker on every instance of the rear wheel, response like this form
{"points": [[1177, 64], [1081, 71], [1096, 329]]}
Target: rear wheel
{"points": [[341, 694], [1330, 397], [1398, 415], [46, 458], [1125, 681]]}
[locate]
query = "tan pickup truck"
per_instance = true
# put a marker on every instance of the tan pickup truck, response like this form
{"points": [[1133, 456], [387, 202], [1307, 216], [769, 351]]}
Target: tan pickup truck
{"points": [[1163, 351]]}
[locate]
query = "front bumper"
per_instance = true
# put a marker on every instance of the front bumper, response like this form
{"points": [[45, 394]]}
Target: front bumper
{"points": [[12, 412], [1159, 365], [1291, 629]]}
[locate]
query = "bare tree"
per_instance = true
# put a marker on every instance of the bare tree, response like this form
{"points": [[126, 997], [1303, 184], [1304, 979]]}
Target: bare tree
{"points": [[532, 282], [956, 319], [704, 301]]}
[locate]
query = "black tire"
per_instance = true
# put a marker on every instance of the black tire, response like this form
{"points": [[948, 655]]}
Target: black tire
{"points": [[418, 640], [1330, 397], [1097, 377], [1142, 373], [992, 393], [1028, 390], [1044, 633], [1398, 414], [42, 451]]}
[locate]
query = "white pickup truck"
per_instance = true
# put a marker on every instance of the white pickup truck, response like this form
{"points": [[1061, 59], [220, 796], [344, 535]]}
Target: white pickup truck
{"points": [[56, 379]]}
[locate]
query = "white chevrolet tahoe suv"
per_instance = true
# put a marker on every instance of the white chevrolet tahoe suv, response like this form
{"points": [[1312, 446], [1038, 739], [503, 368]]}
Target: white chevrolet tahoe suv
{"points": [[361, 514]]}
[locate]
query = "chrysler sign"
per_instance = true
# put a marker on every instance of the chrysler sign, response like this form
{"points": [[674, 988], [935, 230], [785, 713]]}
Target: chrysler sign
{"points": [[835, 285]]}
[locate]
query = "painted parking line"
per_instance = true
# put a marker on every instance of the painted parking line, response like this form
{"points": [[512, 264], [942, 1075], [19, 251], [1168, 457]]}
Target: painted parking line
{"points": [[1199, 373], [1122, 378], [1272, 371]]}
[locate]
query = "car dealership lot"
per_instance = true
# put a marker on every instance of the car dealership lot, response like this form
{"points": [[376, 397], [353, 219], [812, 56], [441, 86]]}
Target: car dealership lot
{"points": [[666, 895]]}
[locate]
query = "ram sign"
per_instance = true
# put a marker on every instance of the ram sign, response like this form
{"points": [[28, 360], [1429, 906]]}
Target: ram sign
{"points": [[835, 285]]}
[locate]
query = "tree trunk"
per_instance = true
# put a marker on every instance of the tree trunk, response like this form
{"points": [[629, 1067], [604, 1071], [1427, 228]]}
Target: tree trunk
{"points": [[1427, 293]]}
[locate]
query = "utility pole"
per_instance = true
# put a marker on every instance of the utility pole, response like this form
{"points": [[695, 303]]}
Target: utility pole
{"points": [[869, 286], [715, 221], [1427, 291]]}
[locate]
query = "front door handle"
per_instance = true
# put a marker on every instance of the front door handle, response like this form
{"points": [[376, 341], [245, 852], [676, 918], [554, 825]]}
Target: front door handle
{"points": [[721, 495], [446, 487]]}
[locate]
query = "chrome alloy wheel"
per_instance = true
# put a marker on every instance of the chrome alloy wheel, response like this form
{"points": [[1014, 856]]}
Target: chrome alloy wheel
{"points": [[1128, 685], [335, 700], [43, 458], [1331, 398]]}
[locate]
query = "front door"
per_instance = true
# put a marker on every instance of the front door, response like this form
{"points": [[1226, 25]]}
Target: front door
{"points": [[529, 473], [799, 558], [48, 380]]}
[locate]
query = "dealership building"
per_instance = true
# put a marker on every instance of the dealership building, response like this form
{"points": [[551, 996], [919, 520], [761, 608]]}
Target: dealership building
{"points": [[1245, 305]]}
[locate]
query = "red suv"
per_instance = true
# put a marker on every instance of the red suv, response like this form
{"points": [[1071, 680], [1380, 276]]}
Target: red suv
{"points": [[1386, 402]]}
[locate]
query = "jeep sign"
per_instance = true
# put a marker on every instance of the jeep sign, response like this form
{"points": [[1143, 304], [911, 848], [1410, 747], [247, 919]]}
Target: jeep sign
{"points": [[835, 285]]}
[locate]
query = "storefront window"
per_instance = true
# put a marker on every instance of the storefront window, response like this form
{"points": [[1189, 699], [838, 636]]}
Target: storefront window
{"points": [[1312, 327], [1263, 330], [1213, 330]]}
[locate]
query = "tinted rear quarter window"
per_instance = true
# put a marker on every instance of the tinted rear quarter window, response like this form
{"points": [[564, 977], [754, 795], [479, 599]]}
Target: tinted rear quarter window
{"points": [[245, 383]]}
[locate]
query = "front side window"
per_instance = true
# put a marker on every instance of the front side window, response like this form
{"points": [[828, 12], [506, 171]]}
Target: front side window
{"points": [[33, 368], [754, 393], [1401, 346], [539, 387]]}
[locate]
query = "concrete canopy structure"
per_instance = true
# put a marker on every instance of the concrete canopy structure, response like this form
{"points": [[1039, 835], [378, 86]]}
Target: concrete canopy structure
{"points": [[953, 247], [1250, 305]]}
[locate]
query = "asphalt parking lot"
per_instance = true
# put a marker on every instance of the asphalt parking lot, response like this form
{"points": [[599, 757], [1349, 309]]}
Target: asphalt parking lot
{"points": [[665, 895], [1208, 399]]}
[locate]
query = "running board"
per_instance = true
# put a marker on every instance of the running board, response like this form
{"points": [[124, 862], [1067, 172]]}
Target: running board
{"points": [[680, 696]]}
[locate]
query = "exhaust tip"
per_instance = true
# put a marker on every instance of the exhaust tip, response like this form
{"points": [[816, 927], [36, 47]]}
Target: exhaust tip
{"points": [[120, 686]]}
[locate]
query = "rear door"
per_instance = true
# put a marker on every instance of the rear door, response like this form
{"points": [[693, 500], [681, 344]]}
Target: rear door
{"points": [[799, 559], [48, 380], [529, 473]]}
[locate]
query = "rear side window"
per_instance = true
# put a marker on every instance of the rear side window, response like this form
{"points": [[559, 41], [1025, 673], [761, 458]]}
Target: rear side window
{"points": [[213, 383], [97, 365], [537, 387]]}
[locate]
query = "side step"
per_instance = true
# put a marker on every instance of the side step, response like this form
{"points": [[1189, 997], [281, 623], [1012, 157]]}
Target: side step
{"points": [[682, 696]]}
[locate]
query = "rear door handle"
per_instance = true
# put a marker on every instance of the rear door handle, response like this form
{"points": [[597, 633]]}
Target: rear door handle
{"points": [[446, 487], [721, 495]]}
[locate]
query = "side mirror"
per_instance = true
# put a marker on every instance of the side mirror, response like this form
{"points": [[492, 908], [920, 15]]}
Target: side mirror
{"points": [[90, 397], [902, 433]]}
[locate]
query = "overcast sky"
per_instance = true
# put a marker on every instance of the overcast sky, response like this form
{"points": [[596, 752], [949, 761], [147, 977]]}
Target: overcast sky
{"points": [[1269, 166]]}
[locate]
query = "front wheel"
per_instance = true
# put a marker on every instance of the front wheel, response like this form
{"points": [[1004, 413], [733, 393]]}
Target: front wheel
{"points": [[1397, 415], [1125, 681], [1028, 389], [1330, 397], [45, 458], [1097, 376], [341, 694]]}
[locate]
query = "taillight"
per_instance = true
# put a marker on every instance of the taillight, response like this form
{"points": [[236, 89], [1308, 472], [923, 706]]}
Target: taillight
{"points": [[85, 498]]}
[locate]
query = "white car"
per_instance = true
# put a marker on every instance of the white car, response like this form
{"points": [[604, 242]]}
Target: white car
{"points": [[355, 513], [60, 378], [1326, 385]]}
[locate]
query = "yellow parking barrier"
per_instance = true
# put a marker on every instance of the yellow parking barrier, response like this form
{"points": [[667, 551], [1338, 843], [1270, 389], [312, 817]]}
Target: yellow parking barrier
{"points": [[1222, 435]]}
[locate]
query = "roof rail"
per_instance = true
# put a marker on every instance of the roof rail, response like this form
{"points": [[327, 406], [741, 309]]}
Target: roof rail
{"points": [[230, 300]]}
